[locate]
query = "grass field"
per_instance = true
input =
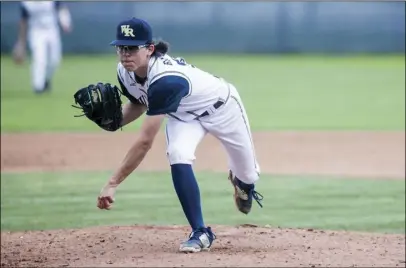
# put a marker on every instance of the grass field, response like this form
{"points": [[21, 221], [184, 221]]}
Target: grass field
{"points": [[299, 93], [68, 200], [280, 93]]}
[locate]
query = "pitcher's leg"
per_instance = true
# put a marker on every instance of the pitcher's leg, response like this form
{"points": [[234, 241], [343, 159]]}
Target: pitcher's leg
{"points": [[182, 140], [241, 148], [231, 126]]}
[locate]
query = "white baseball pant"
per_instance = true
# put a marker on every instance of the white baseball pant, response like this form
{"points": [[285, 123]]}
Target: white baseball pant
{"points": [[45, 46], [230, 125]]}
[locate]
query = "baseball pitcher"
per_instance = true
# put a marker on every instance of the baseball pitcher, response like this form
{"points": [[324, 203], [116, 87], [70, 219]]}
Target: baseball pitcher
{"points": [[194, 103]]}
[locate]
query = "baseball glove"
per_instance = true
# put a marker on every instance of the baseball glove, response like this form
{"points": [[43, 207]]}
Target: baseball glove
{"points": [[101, 103]]}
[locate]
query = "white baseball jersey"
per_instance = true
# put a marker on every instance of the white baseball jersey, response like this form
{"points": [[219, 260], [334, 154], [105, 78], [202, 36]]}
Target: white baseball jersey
{"points": [[174, 87], [185, 93], [41, 14]]}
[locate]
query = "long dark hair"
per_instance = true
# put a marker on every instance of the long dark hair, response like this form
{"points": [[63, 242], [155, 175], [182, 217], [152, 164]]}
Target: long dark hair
{"points": [[161, 47]]}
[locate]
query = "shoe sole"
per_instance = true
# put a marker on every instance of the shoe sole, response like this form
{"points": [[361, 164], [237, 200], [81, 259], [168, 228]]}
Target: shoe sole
{"points": [[230, 178], [192, 250], [235, 190]]}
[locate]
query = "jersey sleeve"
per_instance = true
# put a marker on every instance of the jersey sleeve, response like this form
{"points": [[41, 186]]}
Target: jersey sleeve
{"points": [[166, 93], [124, 89]]}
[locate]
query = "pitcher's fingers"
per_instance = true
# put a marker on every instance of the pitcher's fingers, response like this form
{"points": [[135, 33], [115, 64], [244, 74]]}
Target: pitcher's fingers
{"points": [[102, 203], [106, 203], [99, 203]]}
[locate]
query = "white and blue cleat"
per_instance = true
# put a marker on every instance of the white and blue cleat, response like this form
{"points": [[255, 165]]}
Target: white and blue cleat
{"points": [[199, 240], [243, 194]]}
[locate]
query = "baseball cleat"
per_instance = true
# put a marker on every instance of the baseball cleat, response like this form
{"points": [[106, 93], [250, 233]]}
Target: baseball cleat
{"points": [[47, 86], [243, 194], [199, 240]]}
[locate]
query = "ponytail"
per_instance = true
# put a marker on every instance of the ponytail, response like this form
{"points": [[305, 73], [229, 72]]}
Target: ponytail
{"points": [[161, 47]]}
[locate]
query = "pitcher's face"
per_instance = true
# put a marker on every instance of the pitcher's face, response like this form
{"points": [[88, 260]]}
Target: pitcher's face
{"points": [[134, 57]]}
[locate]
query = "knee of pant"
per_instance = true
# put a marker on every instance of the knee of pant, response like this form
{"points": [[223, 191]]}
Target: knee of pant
{"points": [[178, 156], [258, 169]]}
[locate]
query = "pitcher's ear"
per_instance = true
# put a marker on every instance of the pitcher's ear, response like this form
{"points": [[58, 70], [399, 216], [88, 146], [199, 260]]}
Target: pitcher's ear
{"points": [[151, 48]]}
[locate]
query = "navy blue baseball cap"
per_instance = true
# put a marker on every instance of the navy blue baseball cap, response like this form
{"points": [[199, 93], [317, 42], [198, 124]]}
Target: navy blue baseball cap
{"points": [[133, 32]]}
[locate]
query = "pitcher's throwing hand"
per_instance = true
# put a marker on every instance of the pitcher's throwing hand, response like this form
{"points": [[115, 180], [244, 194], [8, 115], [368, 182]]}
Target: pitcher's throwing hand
{"points": [[106, 197]]}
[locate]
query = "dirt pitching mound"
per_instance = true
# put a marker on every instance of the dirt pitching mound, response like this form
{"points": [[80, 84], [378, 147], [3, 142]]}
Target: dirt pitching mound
{"points": [[364, 154], [140, 246]]}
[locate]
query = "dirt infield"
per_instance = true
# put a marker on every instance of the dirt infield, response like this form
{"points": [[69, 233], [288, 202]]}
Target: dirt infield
{"points": [[363, 154]]}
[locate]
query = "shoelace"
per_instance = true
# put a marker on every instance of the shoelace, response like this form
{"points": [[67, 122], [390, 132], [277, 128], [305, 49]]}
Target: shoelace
{"points": [[257, 196]]}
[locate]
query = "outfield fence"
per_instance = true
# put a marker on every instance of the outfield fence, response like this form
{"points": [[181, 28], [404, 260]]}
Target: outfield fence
{"points": [[239, 27]]}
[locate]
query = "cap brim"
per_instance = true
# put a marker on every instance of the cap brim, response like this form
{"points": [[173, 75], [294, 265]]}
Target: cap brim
{"points": [[128, 43]]}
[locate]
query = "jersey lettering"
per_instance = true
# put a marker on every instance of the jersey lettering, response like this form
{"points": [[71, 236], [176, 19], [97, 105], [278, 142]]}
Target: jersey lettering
{"points": [[174, 87], [182, 62], [178, 60], [167, 62]]}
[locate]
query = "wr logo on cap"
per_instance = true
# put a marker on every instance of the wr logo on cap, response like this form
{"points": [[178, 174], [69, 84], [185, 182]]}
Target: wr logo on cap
{"points": [[127, 31]]}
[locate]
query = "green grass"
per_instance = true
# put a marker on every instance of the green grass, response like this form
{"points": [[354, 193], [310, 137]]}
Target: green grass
{"points": [[68, 200], [280, 92]]}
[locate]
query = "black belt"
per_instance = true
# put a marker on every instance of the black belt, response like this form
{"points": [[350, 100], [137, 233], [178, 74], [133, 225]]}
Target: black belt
{"points": [[216, 106]]}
